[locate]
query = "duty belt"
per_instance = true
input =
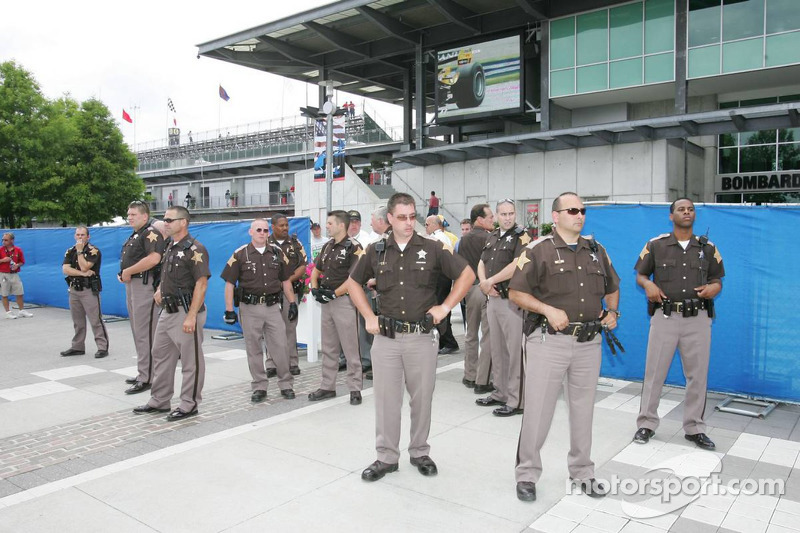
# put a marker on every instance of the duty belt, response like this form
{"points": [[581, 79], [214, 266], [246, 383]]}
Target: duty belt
{"points": [[388, 326], [139, 275], [677, 307], [574, 329], [260, 299]]}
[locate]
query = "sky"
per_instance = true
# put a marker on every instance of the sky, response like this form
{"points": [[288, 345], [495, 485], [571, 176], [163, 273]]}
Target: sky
{"points": [[136, 55]]}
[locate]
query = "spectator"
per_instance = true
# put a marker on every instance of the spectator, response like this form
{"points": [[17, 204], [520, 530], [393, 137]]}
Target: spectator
{"points": [[433, 204], [227, 198], [317, 240], [11, 260], [169, 200]]}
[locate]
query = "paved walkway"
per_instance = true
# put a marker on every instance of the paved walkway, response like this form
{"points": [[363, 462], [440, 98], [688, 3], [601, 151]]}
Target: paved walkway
{"points": [[74, 458]]}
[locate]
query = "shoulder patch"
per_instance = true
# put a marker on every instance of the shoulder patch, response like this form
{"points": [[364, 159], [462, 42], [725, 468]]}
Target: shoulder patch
{"points": [[523, 260], [518, 230], [662, 236], [539, 241]]}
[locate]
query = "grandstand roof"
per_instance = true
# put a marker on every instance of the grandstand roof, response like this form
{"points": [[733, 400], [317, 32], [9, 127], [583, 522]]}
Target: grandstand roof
{"points": [[370, 45]]}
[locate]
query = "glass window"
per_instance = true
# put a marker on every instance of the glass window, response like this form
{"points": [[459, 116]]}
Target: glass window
{"points": [[625, 73], [759, 101], [728, 105], [743, 55], [625, 34], [772, 198], [728, 160], [757, 158], [658, 68], [592, 37], [593, 78], [790, 98], [562, 43], [729, 198], [782, 15], [562, 82], [789, 156], [783, 49], [704, 22], [757, 137], [728, 139], [789, 135], [704, 61], [659, 26], [742, 19]]}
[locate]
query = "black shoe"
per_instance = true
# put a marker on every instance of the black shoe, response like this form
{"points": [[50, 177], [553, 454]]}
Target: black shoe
{"points": [[368, 375], [488, 402], [131, 381], [177, 414], [592, 488], [377, 470], [288, 394], [67, 353], [447, 350], [342, 366], [425, 465], [145, 409], [468, 383], [355, 398], [526, 491], [366, 368], [99, 354], [258, 396], [138, 387], [506, 411], [643, 435], [483, 389], [321, 394], [294, 370], [272, 372], [702, 441]]}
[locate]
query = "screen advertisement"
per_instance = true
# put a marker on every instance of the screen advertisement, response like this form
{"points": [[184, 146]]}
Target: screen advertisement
{"points": [[479, 79]]}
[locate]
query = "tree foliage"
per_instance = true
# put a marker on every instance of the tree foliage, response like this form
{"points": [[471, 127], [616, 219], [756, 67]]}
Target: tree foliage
{"points": [[60, 160]]}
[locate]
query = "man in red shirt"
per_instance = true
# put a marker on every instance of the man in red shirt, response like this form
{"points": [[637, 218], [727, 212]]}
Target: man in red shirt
{"points": [[11, 260], [433, 204]]}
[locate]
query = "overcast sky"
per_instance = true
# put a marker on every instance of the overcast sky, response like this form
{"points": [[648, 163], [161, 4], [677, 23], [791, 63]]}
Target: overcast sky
{"points": [[137, 54]]}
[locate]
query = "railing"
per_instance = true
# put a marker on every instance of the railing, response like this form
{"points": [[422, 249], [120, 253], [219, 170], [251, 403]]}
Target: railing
{"points": [[266, 199]]}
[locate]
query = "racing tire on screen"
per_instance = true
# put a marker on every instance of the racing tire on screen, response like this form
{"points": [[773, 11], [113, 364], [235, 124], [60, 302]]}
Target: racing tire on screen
{"points": [[470, 89]]}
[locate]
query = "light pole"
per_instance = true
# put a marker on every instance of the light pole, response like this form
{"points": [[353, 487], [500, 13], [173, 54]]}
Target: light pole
{"points": [[329, 108]]}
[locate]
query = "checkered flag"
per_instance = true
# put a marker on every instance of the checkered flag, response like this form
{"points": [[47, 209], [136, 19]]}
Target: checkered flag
{"points": [[170, 105]]}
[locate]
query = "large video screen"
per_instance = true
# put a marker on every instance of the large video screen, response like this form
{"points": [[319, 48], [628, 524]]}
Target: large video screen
{"points": [[479, 79]]}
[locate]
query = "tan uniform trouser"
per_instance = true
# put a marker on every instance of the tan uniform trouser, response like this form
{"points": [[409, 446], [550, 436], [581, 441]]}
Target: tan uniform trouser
{"points": [[340, 333], [143, 316], [505, 325], [291, 338], [407, 361], [262, 324], [82, 305], [477, 367], [692, 337], [171, 343], [546, 366]]}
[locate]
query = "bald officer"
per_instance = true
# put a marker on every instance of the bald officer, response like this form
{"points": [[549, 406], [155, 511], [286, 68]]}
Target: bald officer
{"points": [[476, 365], [687, 275], [259, 271], [563, 277], [82, 268], [505, 317], [179, 334], [139, 271], [406, 267], [297, 266], [339, 316]]}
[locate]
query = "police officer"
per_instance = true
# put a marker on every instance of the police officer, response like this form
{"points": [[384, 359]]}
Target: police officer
{"points": [[687, 274], [261, 271], [495, 268], [179, 334], [139, 268], [405, 267], [476, 365], [339, 317], [297, 266], [564, 278], [82, 268]]}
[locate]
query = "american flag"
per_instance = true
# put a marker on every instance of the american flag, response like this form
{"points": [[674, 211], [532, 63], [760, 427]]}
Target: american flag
{"points": [[319, 137], [320, 133]]}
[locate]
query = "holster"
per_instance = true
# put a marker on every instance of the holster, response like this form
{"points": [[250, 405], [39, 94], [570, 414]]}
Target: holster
{"points": [[532, 322], [691, 307], [376, 304], [95, 284], [169, 304], [651, 307], [666, 306], [386, 326], [237, 296], [145, 277], [502, 289], [589, 331], [710, 308]]}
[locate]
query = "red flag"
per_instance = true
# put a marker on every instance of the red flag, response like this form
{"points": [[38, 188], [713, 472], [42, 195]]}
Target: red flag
{"points": [[175, 121], [126, 117]]}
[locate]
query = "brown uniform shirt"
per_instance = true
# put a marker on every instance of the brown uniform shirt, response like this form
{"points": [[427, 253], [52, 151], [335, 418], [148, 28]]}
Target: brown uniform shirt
{"points": [[335, 261], [141, 244], [257, 273], [90, 252], [677, 271], [294, 251], [502, 248], [184, 262], [571, 281], [406, 279], [471, 247]]}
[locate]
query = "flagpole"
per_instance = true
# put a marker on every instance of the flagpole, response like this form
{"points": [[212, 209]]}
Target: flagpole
{"points": [[219, 113], [135, 107]]}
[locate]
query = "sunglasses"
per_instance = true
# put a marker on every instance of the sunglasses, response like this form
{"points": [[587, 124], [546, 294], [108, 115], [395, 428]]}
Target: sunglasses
{"points": [[261, 230], [403, 218], [171, 220], [573, 211]]}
